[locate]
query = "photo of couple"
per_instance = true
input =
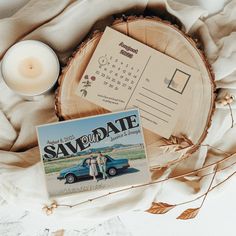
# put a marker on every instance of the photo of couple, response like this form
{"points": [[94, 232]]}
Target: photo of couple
{"points": [[97, 164], [75, 161]]}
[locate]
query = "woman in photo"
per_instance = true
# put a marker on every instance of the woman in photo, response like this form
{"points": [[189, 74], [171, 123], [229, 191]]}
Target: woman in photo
{"points": [[102, 161], [93, 168]]}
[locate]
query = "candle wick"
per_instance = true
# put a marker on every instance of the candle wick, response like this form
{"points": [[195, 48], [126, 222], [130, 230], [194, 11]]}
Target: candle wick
{"points": [[30, 67]]}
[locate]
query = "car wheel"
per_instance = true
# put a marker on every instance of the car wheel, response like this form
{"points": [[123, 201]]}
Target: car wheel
{"points": [[70, 178], [112, 171]]}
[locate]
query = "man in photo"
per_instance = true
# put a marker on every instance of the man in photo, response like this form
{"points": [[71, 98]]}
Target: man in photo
{"points": [[102, 160], [93, 168]]}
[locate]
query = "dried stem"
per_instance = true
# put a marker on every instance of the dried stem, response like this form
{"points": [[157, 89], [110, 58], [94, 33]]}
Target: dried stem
{"points": [[186, 155], [231, 114], [208, 191], [218, 149], [226, 167], [212, 180], [151, 183]]}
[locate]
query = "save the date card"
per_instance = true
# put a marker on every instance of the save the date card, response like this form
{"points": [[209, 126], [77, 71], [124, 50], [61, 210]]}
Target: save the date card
{"points": [[125, 73], [94, 153]]}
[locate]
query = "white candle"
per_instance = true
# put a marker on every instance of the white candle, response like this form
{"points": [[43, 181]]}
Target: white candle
{"points": [[30, 68]]}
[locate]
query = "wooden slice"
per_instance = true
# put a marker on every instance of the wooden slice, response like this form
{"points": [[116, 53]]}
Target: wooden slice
{"points": [[195, 118]]}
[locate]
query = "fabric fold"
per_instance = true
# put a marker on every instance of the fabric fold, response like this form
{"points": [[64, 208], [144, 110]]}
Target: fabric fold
{"points": [[63, 25]]}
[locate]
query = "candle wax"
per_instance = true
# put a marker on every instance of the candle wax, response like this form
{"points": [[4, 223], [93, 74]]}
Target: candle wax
{"points": [[30, 68]]}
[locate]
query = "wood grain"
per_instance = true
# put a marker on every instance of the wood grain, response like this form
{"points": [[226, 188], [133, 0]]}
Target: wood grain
{"points": [[194, 119]]}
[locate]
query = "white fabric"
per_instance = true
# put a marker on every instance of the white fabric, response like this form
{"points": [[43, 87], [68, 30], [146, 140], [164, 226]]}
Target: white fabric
{"points": [[63, 24]]}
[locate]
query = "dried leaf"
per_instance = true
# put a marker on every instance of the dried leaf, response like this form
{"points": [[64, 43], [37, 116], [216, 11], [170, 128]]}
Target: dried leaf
{"points": [[189, 214], [170, 148], [185, 156], [187, 140], [157, 172], [178, 143], [215, 168], [160, 208]]}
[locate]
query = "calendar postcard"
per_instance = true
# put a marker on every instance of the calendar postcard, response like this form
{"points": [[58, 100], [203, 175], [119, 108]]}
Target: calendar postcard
{"points": [[94, 153], [124, 73]]}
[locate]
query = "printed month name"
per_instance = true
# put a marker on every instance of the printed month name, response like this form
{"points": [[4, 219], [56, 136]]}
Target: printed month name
{"points": [[96, 135], [128, 51]]}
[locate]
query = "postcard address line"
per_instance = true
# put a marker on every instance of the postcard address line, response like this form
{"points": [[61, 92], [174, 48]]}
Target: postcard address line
{"points": [[153, 107], [151, 114], [160, 96], [156, 101]]}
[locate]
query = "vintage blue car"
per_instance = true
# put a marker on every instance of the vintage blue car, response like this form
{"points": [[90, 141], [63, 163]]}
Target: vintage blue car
{"points": [[74, 173]]}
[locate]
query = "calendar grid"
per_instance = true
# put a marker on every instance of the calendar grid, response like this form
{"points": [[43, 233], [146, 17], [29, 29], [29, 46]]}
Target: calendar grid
{"points": [[124, 73]]}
